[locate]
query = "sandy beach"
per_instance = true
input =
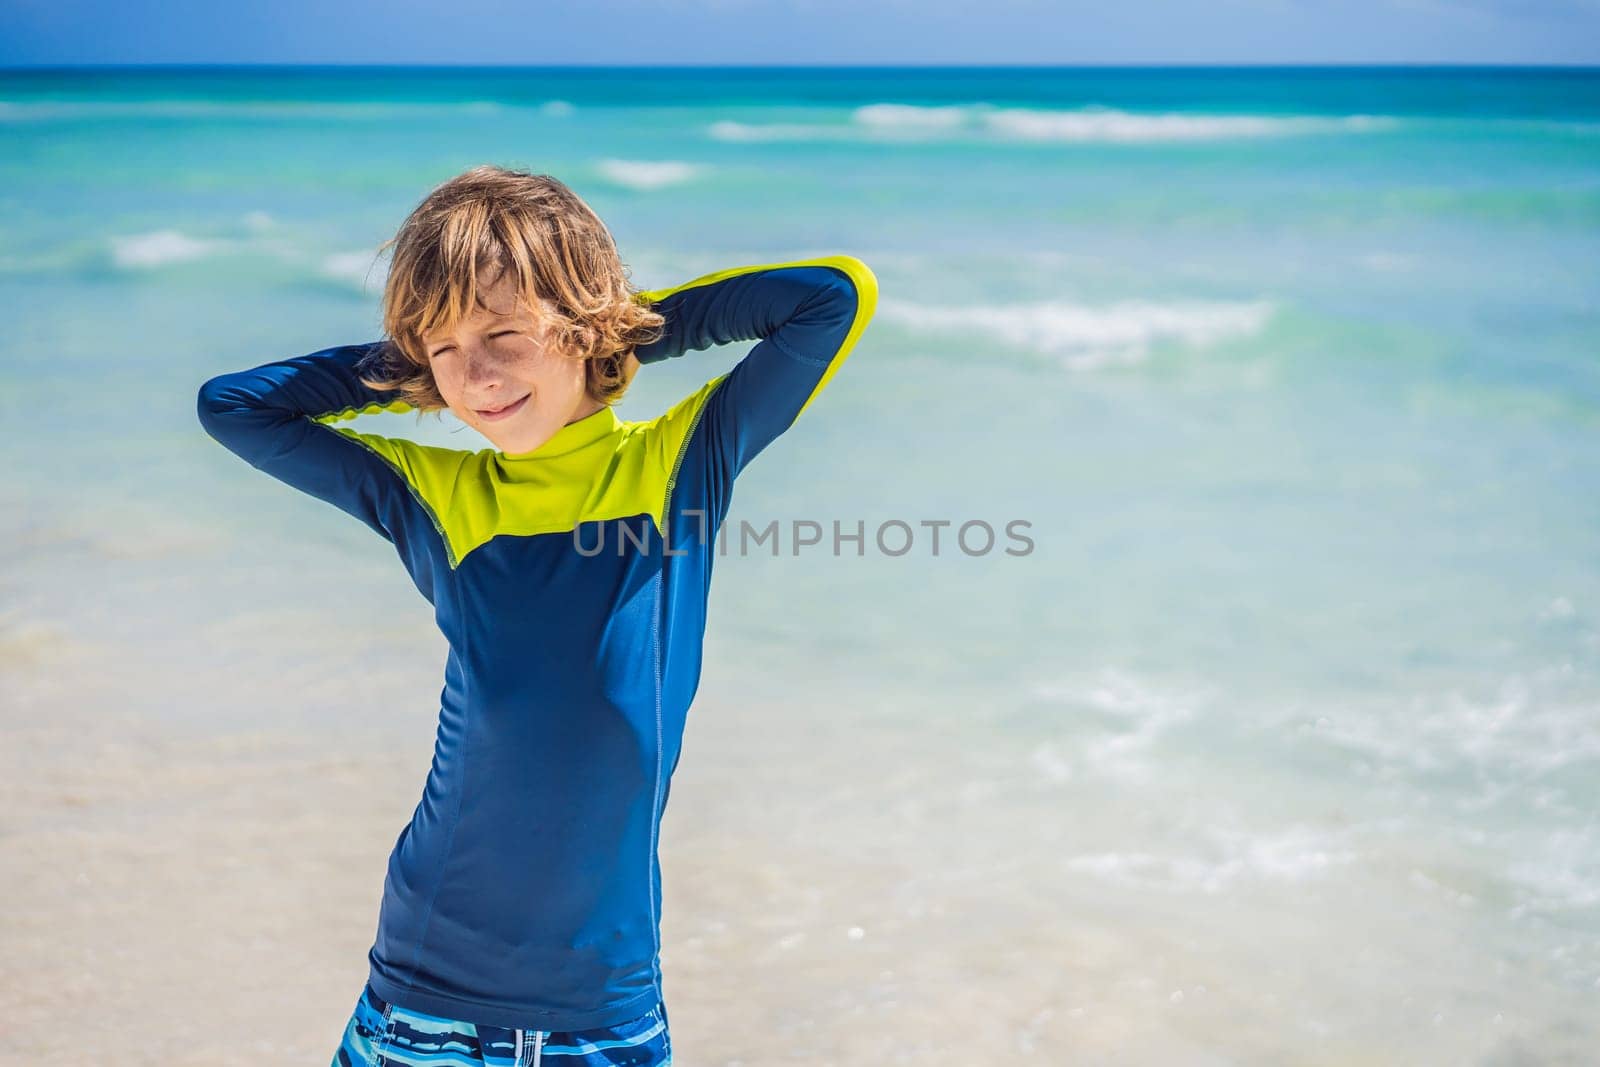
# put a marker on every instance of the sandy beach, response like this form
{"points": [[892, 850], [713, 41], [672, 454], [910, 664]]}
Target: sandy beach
{"points": [[1282, 746], [207, 895]]}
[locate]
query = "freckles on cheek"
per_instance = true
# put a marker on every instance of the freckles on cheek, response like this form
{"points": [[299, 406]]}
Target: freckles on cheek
{"points": [[447, 389]]}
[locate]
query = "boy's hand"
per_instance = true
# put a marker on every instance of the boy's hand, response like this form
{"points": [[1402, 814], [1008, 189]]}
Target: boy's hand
{"points": [[630, 367]]}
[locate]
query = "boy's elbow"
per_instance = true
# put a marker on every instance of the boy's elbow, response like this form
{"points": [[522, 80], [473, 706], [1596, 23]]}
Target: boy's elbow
{"points": [[850, 295], [212, 403], [220, 404], [854, 290]]}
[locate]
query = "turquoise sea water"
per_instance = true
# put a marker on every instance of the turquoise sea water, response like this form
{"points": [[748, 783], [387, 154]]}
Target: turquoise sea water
{"points": [[1283, 742]]}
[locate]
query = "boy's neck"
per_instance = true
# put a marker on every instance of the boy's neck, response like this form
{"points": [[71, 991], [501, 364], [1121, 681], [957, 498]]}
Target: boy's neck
{"points": [[589, 406]]}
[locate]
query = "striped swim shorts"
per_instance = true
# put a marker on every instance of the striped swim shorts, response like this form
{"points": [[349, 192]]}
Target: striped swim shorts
{"points": [[384, 1035]]}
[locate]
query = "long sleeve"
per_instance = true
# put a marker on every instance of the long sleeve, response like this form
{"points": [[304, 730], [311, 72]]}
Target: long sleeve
{"points": [[277, 417], [807, 316]]}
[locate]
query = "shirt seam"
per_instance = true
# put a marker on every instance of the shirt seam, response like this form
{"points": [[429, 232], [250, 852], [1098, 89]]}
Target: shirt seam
{"points": [[568, 1020], [798, 357], [411, 490], [655, 794], [455, 816]]}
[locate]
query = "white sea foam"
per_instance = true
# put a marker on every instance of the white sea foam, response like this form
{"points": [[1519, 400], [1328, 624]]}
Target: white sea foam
{"points": [[1087, 125], [1113, 126], [906, 115], [1559, 608], [1557, 869], [559, 108], [729, 130], [1049, 761], [359, 269], [1150, 711], [1518, 732], [648, 174], [1295, 854], [1428, 884], [159, 248], [1087, 336]]}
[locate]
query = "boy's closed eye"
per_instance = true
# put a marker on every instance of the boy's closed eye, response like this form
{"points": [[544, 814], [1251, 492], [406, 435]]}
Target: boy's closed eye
{"points": [[498, 335]]}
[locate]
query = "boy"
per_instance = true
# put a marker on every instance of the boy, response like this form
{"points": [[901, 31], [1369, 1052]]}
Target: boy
{"points": [[569, 568]]}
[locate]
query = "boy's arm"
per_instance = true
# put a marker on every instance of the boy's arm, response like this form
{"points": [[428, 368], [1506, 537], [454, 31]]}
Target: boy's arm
{"points": [[277, 418], [807, 316]]}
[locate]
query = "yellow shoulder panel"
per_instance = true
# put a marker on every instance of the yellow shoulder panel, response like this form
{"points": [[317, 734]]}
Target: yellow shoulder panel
{"points": [[860, 275], [474, 497]]}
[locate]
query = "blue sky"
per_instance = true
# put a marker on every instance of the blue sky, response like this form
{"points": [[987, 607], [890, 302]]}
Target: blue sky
{"points": [[674, 32]]}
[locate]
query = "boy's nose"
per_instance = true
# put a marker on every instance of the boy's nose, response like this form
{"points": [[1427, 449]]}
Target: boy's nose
{"points": [[481, 366]]}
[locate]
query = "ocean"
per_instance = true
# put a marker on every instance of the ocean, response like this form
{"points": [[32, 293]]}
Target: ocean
{"points": [[1275, 736]]}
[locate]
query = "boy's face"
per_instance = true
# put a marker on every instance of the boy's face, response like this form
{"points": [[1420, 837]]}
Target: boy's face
{"points": [[500, 358]]}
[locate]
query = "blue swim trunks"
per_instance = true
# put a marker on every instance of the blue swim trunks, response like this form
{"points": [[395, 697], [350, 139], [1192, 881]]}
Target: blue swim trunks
{"points": [[380, 1034]]}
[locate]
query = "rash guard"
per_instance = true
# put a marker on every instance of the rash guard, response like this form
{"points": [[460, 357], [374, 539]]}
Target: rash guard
{"points": [[571, 584]]}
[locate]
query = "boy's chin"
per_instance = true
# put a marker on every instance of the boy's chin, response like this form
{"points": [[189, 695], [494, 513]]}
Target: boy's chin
{"points": [[515, 443]]}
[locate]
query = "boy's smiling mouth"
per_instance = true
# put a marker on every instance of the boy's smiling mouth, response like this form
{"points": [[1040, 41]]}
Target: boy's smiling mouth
{"points": [[502, 412]]}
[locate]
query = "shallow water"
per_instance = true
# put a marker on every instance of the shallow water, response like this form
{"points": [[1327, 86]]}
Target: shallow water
{"points": [[1280, 744]]}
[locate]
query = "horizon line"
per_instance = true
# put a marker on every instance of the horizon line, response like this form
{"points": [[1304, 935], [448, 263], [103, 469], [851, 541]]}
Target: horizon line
{"points": [[1152, 65]]}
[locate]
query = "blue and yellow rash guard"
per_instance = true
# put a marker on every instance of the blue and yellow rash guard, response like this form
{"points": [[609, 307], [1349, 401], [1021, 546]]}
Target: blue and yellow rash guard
{"points": [[571, 583]]}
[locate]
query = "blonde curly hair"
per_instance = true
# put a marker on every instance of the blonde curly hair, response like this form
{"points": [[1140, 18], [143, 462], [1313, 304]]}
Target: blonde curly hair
{"points": [[488, 220]]}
